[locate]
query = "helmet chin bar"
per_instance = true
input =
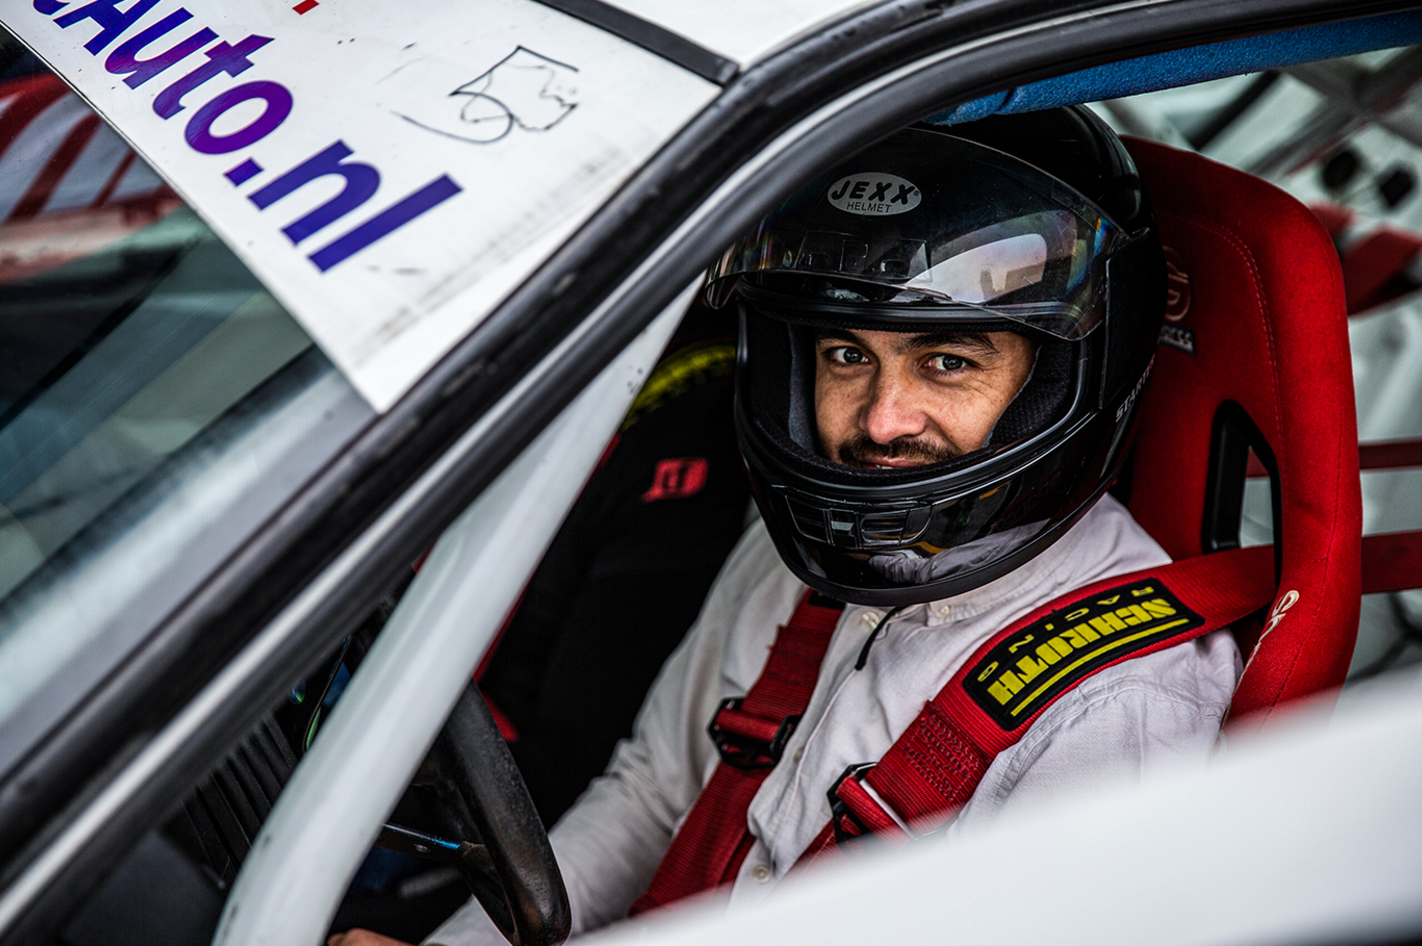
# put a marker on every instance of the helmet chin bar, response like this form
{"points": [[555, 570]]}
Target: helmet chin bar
{"points": [[865, 562]]}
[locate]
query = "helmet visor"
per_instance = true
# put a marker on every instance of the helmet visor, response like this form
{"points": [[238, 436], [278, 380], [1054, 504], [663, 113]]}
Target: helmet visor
{"points": [[936, 224]]}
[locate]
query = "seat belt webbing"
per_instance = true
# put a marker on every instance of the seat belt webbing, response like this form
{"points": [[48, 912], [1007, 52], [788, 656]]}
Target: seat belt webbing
{"points": [[936, 765], [749, 733]]}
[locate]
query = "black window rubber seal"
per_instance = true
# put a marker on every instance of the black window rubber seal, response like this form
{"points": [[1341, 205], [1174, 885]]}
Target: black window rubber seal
{"points": [[672, 47]]}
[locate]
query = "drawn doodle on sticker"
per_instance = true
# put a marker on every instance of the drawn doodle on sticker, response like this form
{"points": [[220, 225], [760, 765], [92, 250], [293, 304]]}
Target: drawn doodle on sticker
{"points": [[524, 90]]}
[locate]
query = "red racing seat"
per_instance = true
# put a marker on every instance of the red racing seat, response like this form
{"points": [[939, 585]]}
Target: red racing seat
{"points": [[1254, 358]]}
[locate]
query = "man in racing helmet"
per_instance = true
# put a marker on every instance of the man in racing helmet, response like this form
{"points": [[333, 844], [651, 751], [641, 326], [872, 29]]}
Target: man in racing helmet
{"points": [[943, 342], [1045, 298]]}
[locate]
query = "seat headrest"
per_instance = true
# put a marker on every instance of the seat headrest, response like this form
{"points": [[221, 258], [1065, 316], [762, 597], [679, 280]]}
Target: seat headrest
{"points": [[1254, 355]]}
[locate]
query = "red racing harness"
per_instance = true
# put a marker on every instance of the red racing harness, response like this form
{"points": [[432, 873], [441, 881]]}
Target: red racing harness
{"points": [[936, 764]]}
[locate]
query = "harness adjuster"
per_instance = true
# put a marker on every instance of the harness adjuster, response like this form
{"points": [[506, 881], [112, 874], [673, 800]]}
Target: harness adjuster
{"points": [[855, 813], [747, 741]]}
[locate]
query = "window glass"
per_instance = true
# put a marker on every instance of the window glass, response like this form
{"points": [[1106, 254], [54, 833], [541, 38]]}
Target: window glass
{"points": [[129, 336]]}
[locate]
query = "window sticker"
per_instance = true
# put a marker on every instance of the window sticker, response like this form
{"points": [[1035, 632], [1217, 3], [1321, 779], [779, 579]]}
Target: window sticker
{"points": [[390, 171]]}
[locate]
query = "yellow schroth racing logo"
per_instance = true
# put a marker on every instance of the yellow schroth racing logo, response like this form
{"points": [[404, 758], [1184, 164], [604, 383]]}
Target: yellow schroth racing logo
{"points": [[1026, 670]]}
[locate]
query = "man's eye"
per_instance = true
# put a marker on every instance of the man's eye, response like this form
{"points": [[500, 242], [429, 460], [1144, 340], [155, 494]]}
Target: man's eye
{"points": [[845, 355], [947, 363]]}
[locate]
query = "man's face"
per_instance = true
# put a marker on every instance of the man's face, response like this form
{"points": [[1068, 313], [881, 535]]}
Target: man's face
{"points": [[895, 399]]}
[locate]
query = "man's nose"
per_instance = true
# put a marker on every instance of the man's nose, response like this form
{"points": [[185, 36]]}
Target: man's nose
{"points": [[893, 411]]}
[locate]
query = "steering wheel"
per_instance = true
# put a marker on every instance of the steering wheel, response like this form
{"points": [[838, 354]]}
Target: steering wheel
{"points": [[502, 852]]}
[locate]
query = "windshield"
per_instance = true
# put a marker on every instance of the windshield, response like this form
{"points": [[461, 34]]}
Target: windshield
{"points": [[136, 351]]}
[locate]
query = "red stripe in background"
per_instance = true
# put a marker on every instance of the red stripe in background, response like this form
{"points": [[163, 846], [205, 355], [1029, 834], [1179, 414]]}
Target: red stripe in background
{"points": [[1390, 454], [112, 183], [1392, 561], [58, 165], [506, 727], [33, 96], [1379, 455]]}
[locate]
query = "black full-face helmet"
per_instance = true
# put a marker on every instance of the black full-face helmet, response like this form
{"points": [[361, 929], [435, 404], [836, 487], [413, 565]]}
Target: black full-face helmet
{"points": [[1031, 223]]}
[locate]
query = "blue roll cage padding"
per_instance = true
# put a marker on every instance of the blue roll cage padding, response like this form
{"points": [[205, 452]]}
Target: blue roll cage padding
{"points": [[1197, 64]]}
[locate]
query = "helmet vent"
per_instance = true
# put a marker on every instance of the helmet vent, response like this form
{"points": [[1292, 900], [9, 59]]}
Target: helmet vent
{"points": [[881, 528], [842, 525], [846, 528], [809, 521]]}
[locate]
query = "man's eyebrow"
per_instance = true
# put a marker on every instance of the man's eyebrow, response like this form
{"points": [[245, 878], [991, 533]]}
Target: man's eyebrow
{"points": [[838, 335], [949, 339], [977, 341]]}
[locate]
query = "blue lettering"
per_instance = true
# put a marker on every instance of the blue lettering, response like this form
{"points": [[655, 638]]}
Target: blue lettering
{"points": [[386, 222], [125, 59], [277, 99], [361, 182], [221, 58], [107, 14], [243, 172]]}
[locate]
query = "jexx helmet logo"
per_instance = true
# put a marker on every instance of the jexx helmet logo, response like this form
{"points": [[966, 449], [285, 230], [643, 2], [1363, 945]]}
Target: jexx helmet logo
{"points": [[874, 194]]}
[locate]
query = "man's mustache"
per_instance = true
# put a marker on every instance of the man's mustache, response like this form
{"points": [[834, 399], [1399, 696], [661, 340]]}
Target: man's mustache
{"points": [[863, 450]]}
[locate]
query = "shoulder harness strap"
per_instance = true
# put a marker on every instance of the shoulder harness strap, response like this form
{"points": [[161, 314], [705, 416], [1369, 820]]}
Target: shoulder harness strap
{"points": [[749, 733], [936, 765]]}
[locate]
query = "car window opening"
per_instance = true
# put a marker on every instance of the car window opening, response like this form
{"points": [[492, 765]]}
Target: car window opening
{"points": [[153, 333]]}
